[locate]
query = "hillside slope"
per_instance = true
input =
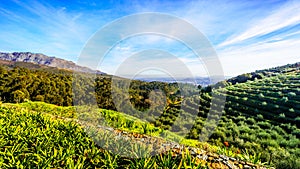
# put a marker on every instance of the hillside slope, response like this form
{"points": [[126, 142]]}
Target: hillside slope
{"points": [[261, 114]]}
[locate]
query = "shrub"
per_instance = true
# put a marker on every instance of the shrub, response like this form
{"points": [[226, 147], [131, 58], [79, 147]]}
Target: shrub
{"points": [[291, 110], [264, 125], [261, 96], [279, 130], [291, 162], [285, 99], [293, 143], [250, 120], [218, 135], [282, 115], [263, 135], [259, 116], [292, 94]]}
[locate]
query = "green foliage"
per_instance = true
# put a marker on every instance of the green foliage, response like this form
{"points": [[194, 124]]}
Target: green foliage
{"points": [[288, 163], [261, 113], [30, 139]]}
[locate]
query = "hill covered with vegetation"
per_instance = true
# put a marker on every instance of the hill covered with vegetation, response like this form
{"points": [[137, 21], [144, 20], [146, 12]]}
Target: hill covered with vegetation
{"points": [[260, 119], [261, 113]]}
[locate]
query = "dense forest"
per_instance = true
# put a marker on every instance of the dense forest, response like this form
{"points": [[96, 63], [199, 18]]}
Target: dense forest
{"points": [[261, 114]]}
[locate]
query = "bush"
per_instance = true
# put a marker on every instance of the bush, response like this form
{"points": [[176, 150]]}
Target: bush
{"points": [[218, 135], [291, 110], [284, 99], [294, 143], [292, 94], [251, 121], [264, 125], [282, 115], [261, 96], [259, 116], [264, 103], [287, 163], [279, 130], [296, 133], [263, 135]]}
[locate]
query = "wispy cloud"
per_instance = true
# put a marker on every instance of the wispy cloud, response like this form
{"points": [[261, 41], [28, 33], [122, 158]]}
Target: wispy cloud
{"points": [[40, 27], [247, 35], [268, 41], [286, 16]]}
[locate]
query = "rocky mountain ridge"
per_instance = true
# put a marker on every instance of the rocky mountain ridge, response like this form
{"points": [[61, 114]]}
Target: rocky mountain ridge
{"points": [[41, 59]]}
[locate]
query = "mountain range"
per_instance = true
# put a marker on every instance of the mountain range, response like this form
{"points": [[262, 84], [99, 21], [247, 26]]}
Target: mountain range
{"points": [[41, 59]]}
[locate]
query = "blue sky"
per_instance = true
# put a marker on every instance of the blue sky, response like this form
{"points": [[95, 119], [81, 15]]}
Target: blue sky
{"points": [[247, 35]]}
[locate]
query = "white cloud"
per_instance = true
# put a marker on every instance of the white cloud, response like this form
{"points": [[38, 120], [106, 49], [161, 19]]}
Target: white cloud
{"points": [[287, 15], [53, 30], [260, 56], [59, 31]]}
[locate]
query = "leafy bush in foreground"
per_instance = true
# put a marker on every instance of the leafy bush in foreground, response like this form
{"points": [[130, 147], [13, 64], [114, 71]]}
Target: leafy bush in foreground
{"points": [[30, 139]]}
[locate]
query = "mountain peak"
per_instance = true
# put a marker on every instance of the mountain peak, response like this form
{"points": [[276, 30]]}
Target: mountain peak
{"points": [[41, 59]]}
